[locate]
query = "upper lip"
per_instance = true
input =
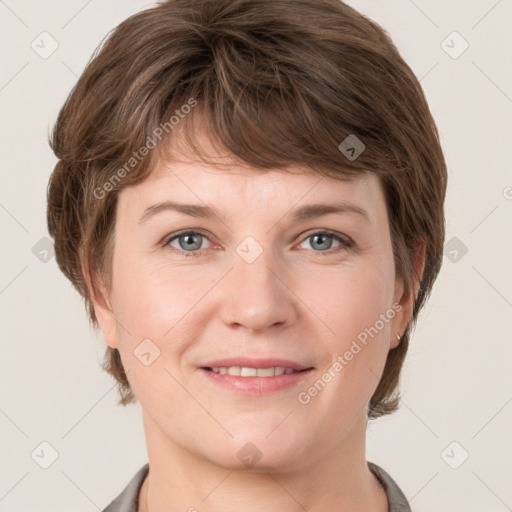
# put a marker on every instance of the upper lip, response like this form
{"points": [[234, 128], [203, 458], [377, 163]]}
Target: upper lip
{"points": [[246, 362]]}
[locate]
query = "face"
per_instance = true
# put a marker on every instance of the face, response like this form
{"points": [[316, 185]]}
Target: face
{"points": [[251, 316]]}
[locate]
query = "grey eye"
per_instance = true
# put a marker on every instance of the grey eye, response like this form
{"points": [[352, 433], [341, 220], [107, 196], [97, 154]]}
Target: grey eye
{"points": [[189, 242], [321, 240]]}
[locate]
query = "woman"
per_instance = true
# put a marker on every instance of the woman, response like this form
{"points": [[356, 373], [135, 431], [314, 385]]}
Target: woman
{"points": [[249, 197]]}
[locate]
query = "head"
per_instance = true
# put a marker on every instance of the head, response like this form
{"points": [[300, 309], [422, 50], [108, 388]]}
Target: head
{"points": [[249, 107]]}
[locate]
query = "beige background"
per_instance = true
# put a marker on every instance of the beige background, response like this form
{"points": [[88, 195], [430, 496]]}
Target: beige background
{"points": [[457, 384]]}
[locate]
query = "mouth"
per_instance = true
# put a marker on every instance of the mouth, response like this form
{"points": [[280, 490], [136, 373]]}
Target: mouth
{"points": [[255, 377], [247, 371]]}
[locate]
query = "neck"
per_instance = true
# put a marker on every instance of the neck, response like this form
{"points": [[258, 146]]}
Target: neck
{"points": [[338, 480]]}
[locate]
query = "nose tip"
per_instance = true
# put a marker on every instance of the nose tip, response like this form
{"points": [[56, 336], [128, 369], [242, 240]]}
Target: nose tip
{"points": [[258, 297]]}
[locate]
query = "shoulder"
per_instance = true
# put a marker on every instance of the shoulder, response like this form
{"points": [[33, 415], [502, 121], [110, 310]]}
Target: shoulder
{"points": [[396, 498], [128, 500]]}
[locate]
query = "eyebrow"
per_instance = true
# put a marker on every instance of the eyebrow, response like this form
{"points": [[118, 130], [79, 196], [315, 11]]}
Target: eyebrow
{"points": [[206, 212]]}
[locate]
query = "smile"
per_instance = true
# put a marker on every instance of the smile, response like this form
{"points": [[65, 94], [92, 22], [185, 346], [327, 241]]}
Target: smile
{"points": [[248, 380], [243, 371]]}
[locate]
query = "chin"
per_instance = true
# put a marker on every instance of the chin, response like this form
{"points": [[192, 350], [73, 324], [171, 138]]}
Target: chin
{"points": [[257, 453]]}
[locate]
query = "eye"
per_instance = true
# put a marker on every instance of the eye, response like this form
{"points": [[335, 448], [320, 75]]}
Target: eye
{"points": [[323, 240], [188, 242], [191, 243]]}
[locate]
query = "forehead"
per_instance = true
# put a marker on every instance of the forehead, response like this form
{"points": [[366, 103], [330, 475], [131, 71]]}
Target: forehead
{"points": [[177, 155], [178, 162], [178, 174], [235, 187], [238, 191]]}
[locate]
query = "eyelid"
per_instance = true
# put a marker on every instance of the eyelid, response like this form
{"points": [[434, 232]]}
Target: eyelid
{"points": [[304, 236], [176, 234], [320, 231], [345, 240]]}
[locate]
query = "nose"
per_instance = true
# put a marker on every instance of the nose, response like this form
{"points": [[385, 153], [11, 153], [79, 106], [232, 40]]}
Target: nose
{"points": [[257, 295]]}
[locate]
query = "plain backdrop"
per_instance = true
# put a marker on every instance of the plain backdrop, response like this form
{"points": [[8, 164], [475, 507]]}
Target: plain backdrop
{"points": [[448, 447]]}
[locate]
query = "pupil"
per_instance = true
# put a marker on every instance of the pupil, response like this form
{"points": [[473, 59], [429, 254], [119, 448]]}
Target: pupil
{"points": [[189, 241], [322, 237]]}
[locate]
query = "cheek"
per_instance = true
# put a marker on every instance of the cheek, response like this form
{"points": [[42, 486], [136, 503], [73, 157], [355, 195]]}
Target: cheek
{"points": [[163, 305], [152, 298], [356, 307], [350, 299]]}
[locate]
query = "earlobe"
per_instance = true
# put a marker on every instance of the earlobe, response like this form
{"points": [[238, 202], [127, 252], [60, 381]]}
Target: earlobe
{"points": [[419, 265], [408, 298], [105, 317], [395, 342], [403, 306], [102, 308]]}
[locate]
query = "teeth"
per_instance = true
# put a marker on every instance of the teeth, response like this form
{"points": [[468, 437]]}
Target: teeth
{"points": [[242, 371], [265, 372], [234, 370], [248, 372]]}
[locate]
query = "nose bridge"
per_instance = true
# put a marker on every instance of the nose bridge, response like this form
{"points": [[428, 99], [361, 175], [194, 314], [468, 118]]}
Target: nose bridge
{"points": [[257, 295]]}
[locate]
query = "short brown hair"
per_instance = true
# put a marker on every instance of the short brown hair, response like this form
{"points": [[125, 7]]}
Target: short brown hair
{"points": [[276, 83]]}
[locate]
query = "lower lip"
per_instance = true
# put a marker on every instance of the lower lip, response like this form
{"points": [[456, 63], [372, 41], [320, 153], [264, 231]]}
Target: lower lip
{"points": [[256, 385]]}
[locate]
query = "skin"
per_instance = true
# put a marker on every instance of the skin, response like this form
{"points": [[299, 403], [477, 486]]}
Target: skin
{"points": [[299, 300]]}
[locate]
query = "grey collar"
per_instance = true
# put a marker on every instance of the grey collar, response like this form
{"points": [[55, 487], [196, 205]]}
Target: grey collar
{"points": [[128, 500]]}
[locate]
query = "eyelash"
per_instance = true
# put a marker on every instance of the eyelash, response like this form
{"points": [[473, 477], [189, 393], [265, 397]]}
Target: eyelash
{"points": [[346, 242]]}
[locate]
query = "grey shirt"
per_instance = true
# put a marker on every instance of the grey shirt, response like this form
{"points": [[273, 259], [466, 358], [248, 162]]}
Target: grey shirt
{"points": [[128, 500]]}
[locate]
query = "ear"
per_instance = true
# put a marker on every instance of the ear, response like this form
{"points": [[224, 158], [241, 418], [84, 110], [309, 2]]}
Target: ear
{"points": [[100, 298], [406, 298]]}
